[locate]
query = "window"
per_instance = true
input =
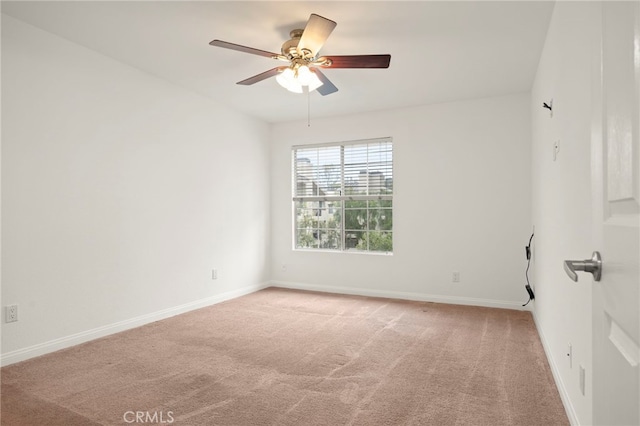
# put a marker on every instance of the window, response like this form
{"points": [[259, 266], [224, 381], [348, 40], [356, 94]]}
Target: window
{"points": [[343, 196]]}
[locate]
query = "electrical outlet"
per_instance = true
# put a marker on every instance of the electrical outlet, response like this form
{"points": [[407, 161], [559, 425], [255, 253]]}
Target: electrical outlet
{"points": [[214, 274], [11, 313], [455, 277]]}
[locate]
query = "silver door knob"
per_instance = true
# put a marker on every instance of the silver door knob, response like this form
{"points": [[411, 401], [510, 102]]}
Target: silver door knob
{"points": [[593, 265]]}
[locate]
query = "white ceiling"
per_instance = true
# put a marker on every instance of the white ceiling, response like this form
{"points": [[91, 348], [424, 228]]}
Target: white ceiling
{"points": [[440, 51]]}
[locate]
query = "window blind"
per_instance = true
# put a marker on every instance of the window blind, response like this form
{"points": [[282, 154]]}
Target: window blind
{"points": [[356, 170]]}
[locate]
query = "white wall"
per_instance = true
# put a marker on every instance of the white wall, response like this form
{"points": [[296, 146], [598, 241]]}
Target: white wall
{"points": [[461, 202], [117, 201], [561, 199], [119, 195]]}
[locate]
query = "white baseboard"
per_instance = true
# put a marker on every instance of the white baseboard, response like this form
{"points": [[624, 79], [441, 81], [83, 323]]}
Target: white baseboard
{"points": [[85, 336], [564, 395], [422, 297]]}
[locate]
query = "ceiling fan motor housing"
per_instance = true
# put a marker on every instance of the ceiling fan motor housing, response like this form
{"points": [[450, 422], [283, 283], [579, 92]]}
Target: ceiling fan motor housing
{"points": [[290, 47]]}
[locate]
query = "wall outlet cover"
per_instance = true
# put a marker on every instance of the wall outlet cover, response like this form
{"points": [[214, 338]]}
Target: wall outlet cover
{"points": [[11, 313]]}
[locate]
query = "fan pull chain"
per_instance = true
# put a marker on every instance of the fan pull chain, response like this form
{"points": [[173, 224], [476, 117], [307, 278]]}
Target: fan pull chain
{"points": [[308, 107]]}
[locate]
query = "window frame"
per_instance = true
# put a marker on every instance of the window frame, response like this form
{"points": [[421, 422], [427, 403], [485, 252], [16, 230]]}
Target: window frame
{"points": [[343, 198]]}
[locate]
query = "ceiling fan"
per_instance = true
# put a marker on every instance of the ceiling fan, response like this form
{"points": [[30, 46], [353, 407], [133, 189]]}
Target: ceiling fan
{"points": [[301, 52]]}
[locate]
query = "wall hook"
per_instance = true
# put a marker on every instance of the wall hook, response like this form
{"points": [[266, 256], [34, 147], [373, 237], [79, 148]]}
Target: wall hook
{"points": [[549, 106]]}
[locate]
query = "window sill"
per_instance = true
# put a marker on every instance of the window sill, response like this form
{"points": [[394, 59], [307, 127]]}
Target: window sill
{"points": [[348, 252]]}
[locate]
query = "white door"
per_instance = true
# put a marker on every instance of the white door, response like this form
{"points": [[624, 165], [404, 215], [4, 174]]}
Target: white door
{"points": [[615, 189]]}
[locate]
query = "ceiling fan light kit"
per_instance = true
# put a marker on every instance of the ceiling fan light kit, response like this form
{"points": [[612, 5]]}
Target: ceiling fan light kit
{"points": [[293, 79], [301, 52]]}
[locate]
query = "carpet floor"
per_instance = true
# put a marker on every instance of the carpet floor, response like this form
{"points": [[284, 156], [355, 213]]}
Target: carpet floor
{"points": [[286, 357]]}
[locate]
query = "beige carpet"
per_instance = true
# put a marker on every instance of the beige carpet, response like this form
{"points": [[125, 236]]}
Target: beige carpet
{"points": [[283, 357]]}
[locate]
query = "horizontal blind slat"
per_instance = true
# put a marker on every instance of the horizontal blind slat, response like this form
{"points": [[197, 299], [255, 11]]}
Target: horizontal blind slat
{"points": [[344, 198]]}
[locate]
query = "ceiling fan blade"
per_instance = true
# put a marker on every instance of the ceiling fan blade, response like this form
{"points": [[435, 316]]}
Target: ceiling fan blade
{"points": [[354, 61], [245, 49], [262, 76], [327, 87], [315, 33]]}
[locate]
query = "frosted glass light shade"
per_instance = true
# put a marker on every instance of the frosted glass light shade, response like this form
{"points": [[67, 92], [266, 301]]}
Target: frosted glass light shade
{"points": [[293, 81], [287, 79], [314, 81]]}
